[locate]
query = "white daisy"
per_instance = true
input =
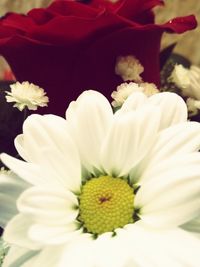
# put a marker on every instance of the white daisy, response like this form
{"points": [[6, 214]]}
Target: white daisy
{"points": [[107, 189], [27, 95]]}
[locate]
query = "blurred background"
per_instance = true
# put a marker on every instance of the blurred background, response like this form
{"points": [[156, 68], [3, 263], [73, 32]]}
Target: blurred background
{"points": [[19, 6], [187, 43]]}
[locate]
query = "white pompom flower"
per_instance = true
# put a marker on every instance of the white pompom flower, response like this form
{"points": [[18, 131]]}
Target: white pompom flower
{"points": [[193, 106], [124, 90], [129, 68], [27, 95], [107, 189], [188, 80]]}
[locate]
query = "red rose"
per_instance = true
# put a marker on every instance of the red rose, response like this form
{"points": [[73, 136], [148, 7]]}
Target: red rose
{"points": [[70, 46]]}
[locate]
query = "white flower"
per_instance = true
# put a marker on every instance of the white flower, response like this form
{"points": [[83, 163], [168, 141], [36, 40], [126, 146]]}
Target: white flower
{"points": [[107, 189], [129, 68], [188, 80], [124, 90], [193, 106], [27, 95], [180, 76]]}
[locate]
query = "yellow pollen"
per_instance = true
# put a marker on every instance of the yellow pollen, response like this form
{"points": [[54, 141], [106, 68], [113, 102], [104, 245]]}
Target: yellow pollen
{"points": [[106, 203]]}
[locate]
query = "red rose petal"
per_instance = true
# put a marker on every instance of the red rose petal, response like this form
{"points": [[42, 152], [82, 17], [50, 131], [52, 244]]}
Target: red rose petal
{"points": [[131, 9], [181, 24], [18, 22], [73, 8]]}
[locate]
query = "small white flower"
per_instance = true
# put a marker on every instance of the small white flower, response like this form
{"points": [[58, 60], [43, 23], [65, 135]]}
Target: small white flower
{"points": [[126, 89], [188, 80], [106, 189], [129, 68], [28, 95], [180, 76], [193, 106]]}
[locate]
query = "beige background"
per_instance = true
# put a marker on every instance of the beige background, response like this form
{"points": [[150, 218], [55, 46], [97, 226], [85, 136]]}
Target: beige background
{"points": [[188, 43], [20, 6]]}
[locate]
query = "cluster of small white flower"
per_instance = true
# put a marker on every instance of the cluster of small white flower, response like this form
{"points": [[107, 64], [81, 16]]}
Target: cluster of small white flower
{"points": [[27, 95], [188, 80]]}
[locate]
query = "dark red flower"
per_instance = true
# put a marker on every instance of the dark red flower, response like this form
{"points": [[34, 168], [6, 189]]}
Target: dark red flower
{"points": [[70, 46]]}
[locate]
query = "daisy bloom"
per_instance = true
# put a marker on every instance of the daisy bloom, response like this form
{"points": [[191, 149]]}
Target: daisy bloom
{"points": [[104, 189], [28, 95]]}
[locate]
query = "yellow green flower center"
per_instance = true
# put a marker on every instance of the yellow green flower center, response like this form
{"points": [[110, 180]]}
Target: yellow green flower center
{"points": [[106, 203]]}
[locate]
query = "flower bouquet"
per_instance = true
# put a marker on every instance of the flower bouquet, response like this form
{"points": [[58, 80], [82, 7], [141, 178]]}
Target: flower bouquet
{"points": [[106, 170]]}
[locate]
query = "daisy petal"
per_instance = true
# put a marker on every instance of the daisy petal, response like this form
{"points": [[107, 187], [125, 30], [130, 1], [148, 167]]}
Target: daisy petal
{"points": [[10, 183], [17, 256], [40, 175], [176, 140], [182, 246], [49, 205], [29, 172], [140, 241], [133, 102], [179, 215], [126, 142], [49, 256], [7, 209], [114, 254], [19, 145], [90, 115], [172, 114], [16, 232], [83, 246], [11, 186], [41, 131], [46, 142], [54, 235], [157, 198], [174, 248]]}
